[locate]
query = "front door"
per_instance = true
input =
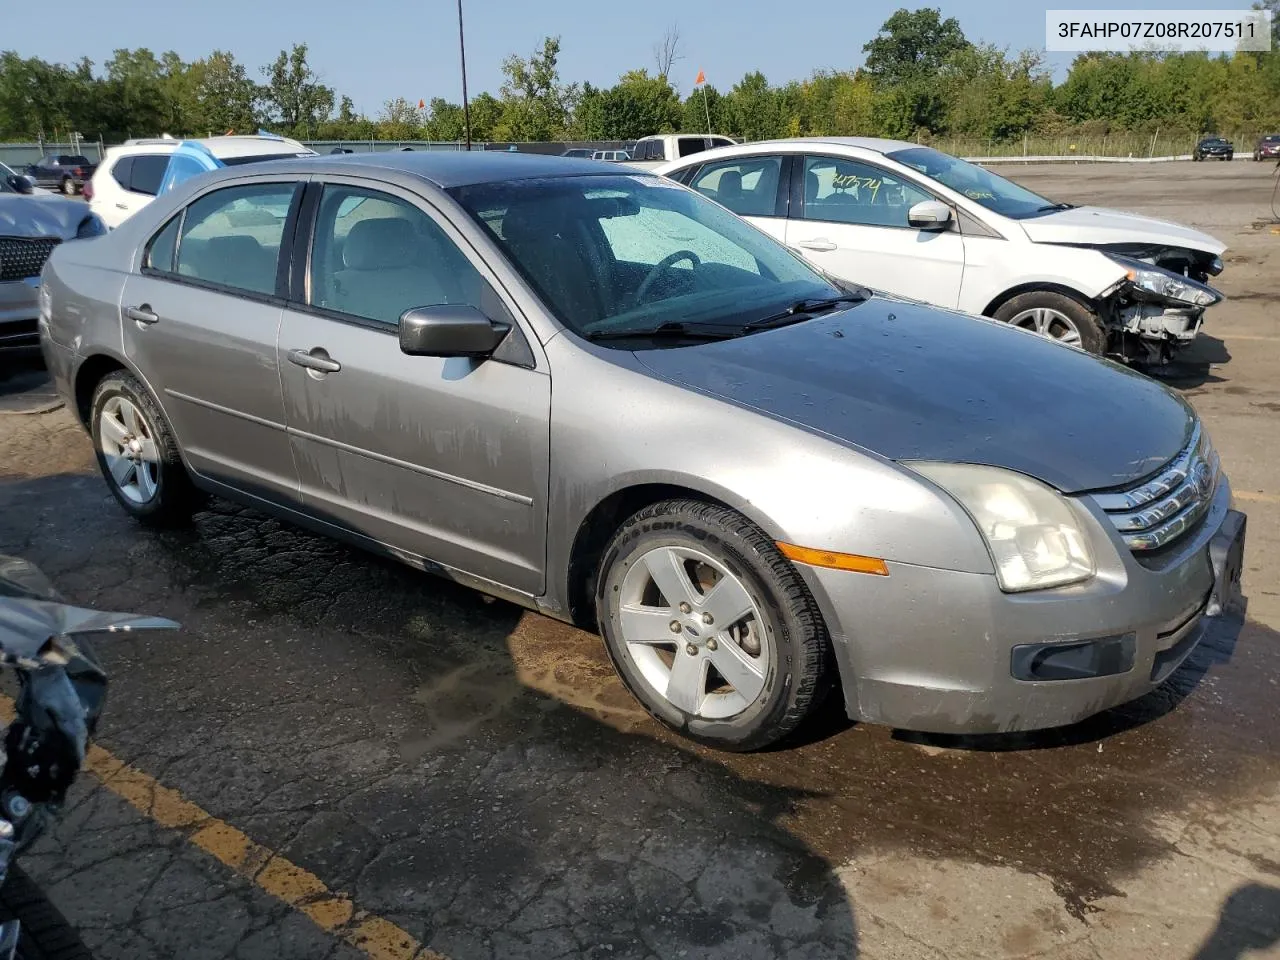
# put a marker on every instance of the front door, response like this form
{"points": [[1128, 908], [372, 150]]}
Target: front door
{"points": [[853, 224], [443, 459], [200, 324]]}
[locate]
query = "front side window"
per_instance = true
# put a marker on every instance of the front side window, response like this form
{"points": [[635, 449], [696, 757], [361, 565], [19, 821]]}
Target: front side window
{"points": [[993, 192], [619, 253], [232, 237], [748, 186], [376, 256], [837, 190]]}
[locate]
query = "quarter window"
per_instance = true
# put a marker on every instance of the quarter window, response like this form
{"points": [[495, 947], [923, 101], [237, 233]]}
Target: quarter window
{"points": [[376, 256], [848, 191], [232, 237], [747, 186], [122, 171], [163, 246]]}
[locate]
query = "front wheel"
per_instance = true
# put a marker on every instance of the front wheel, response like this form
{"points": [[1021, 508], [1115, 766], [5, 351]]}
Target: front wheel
{"points": [[44, 932], [710, 627], [68, 186], [1056, 317]]}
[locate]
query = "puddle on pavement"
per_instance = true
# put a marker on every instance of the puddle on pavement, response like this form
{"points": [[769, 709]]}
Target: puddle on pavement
{"points": [[1081, 806]]}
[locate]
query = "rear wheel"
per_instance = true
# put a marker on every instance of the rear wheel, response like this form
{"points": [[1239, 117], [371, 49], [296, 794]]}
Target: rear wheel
{"points": [[138, 454], [710, 627], [68, 186], [45, 933]]}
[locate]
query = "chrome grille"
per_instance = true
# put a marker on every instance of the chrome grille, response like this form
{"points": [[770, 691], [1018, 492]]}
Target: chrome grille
{"points": [[21, 258], [1159, 510]]}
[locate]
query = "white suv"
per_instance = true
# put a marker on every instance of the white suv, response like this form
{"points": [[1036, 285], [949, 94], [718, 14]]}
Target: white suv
{"points": [[131, 175]]}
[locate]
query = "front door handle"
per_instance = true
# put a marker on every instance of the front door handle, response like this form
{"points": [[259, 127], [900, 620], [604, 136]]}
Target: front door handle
{"points": [[142, 314], [315, 359], [821, 243]]}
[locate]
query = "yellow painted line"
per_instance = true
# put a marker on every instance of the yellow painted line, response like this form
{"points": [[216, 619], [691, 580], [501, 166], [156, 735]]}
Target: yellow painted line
{"points": [[1257, 496], [375, 937]]}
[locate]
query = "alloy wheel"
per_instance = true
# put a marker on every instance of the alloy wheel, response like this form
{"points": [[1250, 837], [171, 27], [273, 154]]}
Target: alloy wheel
{"points": [[694, 632], [1050, 323], [128, 444]]}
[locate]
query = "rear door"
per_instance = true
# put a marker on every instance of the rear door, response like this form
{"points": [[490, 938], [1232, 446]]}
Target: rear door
{"points": [[200, 323], [849, 217], [754, 187], [442, 459], [138, 178]]}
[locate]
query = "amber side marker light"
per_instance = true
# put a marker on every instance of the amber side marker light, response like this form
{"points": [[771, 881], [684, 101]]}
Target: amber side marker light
{"points": [[834, 561]]}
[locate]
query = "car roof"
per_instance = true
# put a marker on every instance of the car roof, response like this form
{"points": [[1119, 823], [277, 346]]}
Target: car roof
{"points": [[444, 168], [226, 147]]}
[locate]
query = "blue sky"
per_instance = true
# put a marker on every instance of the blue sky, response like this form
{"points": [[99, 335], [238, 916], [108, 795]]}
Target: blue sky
{"points": [[375, 50]]}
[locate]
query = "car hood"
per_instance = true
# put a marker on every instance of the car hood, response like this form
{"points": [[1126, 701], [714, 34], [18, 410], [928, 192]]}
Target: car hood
{"points": [[35, 216], [912, 382], [1098, 226]]}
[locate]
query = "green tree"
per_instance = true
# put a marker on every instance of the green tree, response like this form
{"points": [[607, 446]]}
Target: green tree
{"points": [[536, 104], [225, 98], [912, 44], [294, 97]]}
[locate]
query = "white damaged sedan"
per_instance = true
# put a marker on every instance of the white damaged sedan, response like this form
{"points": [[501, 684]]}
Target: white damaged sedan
{"points": [[911, 221]]}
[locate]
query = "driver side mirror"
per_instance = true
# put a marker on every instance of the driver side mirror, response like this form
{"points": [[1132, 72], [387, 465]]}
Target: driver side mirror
{"points": [[929, 215], [449, 330], [20, 184]]}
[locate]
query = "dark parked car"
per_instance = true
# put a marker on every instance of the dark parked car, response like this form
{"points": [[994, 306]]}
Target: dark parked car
{"points": [[68, 172], [1218, 147], [582, 153], [1267, 147]]}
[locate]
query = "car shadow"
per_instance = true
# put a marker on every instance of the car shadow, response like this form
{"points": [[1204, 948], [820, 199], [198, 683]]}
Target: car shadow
{"points": [[1249, 921], [427, 749]]}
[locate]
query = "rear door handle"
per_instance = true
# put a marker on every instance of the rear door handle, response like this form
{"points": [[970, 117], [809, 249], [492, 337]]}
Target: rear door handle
{"points": [[819, 244], [142, 314], [315, 359]]}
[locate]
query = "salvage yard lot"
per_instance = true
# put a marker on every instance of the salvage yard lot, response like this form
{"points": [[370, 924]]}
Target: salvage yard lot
{"points": [[337, 757]]}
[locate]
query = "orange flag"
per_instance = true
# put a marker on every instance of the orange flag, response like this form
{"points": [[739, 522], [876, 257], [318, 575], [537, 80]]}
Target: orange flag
{"points": [[421, 104], [702, 78]]}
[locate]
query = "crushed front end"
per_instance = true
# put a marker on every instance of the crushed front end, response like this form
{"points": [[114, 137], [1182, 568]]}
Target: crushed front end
{"points": [[1157, 308]]}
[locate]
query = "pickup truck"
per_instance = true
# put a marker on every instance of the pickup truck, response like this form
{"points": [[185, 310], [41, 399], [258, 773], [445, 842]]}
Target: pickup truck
{"points": [[651, 152]]}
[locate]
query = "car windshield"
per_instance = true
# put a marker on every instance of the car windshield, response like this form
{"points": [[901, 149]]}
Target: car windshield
{"points": [[993, 192], [617, 255], [1272, 138]]}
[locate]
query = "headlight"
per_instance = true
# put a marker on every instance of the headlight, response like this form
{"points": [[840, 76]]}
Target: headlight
{"points": [[1166, 284], [91, 226], [1033, 533]]}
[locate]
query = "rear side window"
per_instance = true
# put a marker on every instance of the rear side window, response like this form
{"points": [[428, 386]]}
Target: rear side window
{"points": [[232, 237], [688, 146], [747, 186], [74, 161], [148, 171], [122, 171]]}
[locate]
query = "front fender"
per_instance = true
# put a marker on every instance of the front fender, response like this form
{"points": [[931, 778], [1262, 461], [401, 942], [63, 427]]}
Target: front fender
{"points": [[797, 486]]}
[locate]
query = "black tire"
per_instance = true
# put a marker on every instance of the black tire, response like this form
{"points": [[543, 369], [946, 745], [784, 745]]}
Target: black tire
{"points": [[68, 187], [798, 678], [45, 932], [1093, 339], [175, 498]]}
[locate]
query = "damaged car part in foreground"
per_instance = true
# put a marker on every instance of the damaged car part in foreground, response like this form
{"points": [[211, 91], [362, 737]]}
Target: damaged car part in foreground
{"points": [[758, 485], [61, 689], [1158, 308]]}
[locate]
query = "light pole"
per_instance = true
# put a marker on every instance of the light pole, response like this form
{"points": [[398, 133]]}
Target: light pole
{"points": [[466, 108]]}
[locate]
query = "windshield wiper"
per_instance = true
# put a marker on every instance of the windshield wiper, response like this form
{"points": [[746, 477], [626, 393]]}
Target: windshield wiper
{"points": [[803, 310], [1056, 206], [675, 329]]}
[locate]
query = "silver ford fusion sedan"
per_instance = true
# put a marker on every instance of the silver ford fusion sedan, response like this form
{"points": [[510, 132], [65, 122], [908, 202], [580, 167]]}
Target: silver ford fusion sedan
{"points": [[602, 396]]}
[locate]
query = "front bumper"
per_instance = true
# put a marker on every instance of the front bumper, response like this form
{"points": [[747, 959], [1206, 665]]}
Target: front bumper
{"points": [[19, 310], [937, 650]]}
